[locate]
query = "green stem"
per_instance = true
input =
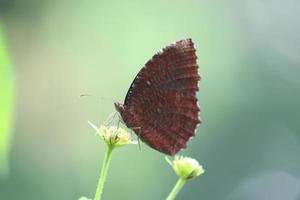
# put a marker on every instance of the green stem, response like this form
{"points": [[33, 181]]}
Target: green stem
{"points": [[103, 172], [180, 183]]}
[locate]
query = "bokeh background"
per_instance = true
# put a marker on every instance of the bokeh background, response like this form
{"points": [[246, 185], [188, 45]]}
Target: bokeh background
{"points": [[53, 51]]}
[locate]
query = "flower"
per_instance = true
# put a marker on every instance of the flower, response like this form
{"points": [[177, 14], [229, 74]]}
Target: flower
{"points": [[113, 136], [186, 167]]}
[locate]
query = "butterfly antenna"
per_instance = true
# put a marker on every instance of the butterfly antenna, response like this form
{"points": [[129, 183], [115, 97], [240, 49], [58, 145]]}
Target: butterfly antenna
{"points": [[104, 99], [85, 95]]}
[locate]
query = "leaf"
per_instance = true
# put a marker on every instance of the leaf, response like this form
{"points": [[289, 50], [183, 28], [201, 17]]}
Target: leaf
{"points": [[6, 104]]}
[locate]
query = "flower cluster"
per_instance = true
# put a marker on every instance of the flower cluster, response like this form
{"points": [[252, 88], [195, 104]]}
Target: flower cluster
{"points": [[114, 136], [186, 167]]}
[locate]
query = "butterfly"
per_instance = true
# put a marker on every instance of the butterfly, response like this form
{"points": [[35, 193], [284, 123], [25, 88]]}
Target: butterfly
{"points": [[161, 105]]}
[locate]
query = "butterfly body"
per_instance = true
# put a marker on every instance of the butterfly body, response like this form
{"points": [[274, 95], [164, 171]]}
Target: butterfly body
{"points": [[161, 102]]}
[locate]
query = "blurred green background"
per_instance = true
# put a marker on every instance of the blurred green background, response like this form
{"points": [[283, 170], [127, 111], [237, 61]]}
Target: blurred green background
{"points": [[53, 51]]}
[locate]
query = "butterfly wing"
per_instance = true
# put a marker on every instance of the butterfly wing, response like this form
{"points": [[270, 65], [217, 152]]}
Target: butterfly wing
{"points": [[162, 98]]}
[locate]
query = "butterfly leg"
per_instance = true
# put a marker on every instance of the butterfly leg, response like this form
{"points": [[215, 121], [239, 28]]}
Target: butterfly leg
{"points": [[138, 134], [118, 124], [110, 118]]}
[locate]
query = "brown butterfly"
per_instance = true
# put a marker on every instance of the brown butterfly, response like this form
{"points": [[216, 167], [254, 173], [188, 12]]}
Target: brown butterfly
{"points": [[161, 105]]}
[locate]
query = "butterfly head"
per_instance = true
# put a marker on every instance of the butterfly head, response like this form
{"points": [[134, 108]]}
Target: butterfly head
{"points": [[119, 107]]}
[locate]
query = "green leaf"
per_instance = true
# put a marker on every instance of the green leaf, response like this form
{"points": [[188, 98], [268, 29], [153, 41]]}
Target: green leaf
{"points": [[6, 104]]}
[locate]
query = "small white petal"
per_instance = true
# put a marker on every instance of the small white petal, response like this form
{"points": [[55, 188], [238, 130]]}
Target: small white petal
{"points": [[94, 127]]}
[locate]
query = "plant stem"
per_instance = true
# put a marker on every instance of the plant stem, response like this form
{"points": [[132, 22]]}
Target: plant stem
{"points": [[104, 170], [180, 183]]}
